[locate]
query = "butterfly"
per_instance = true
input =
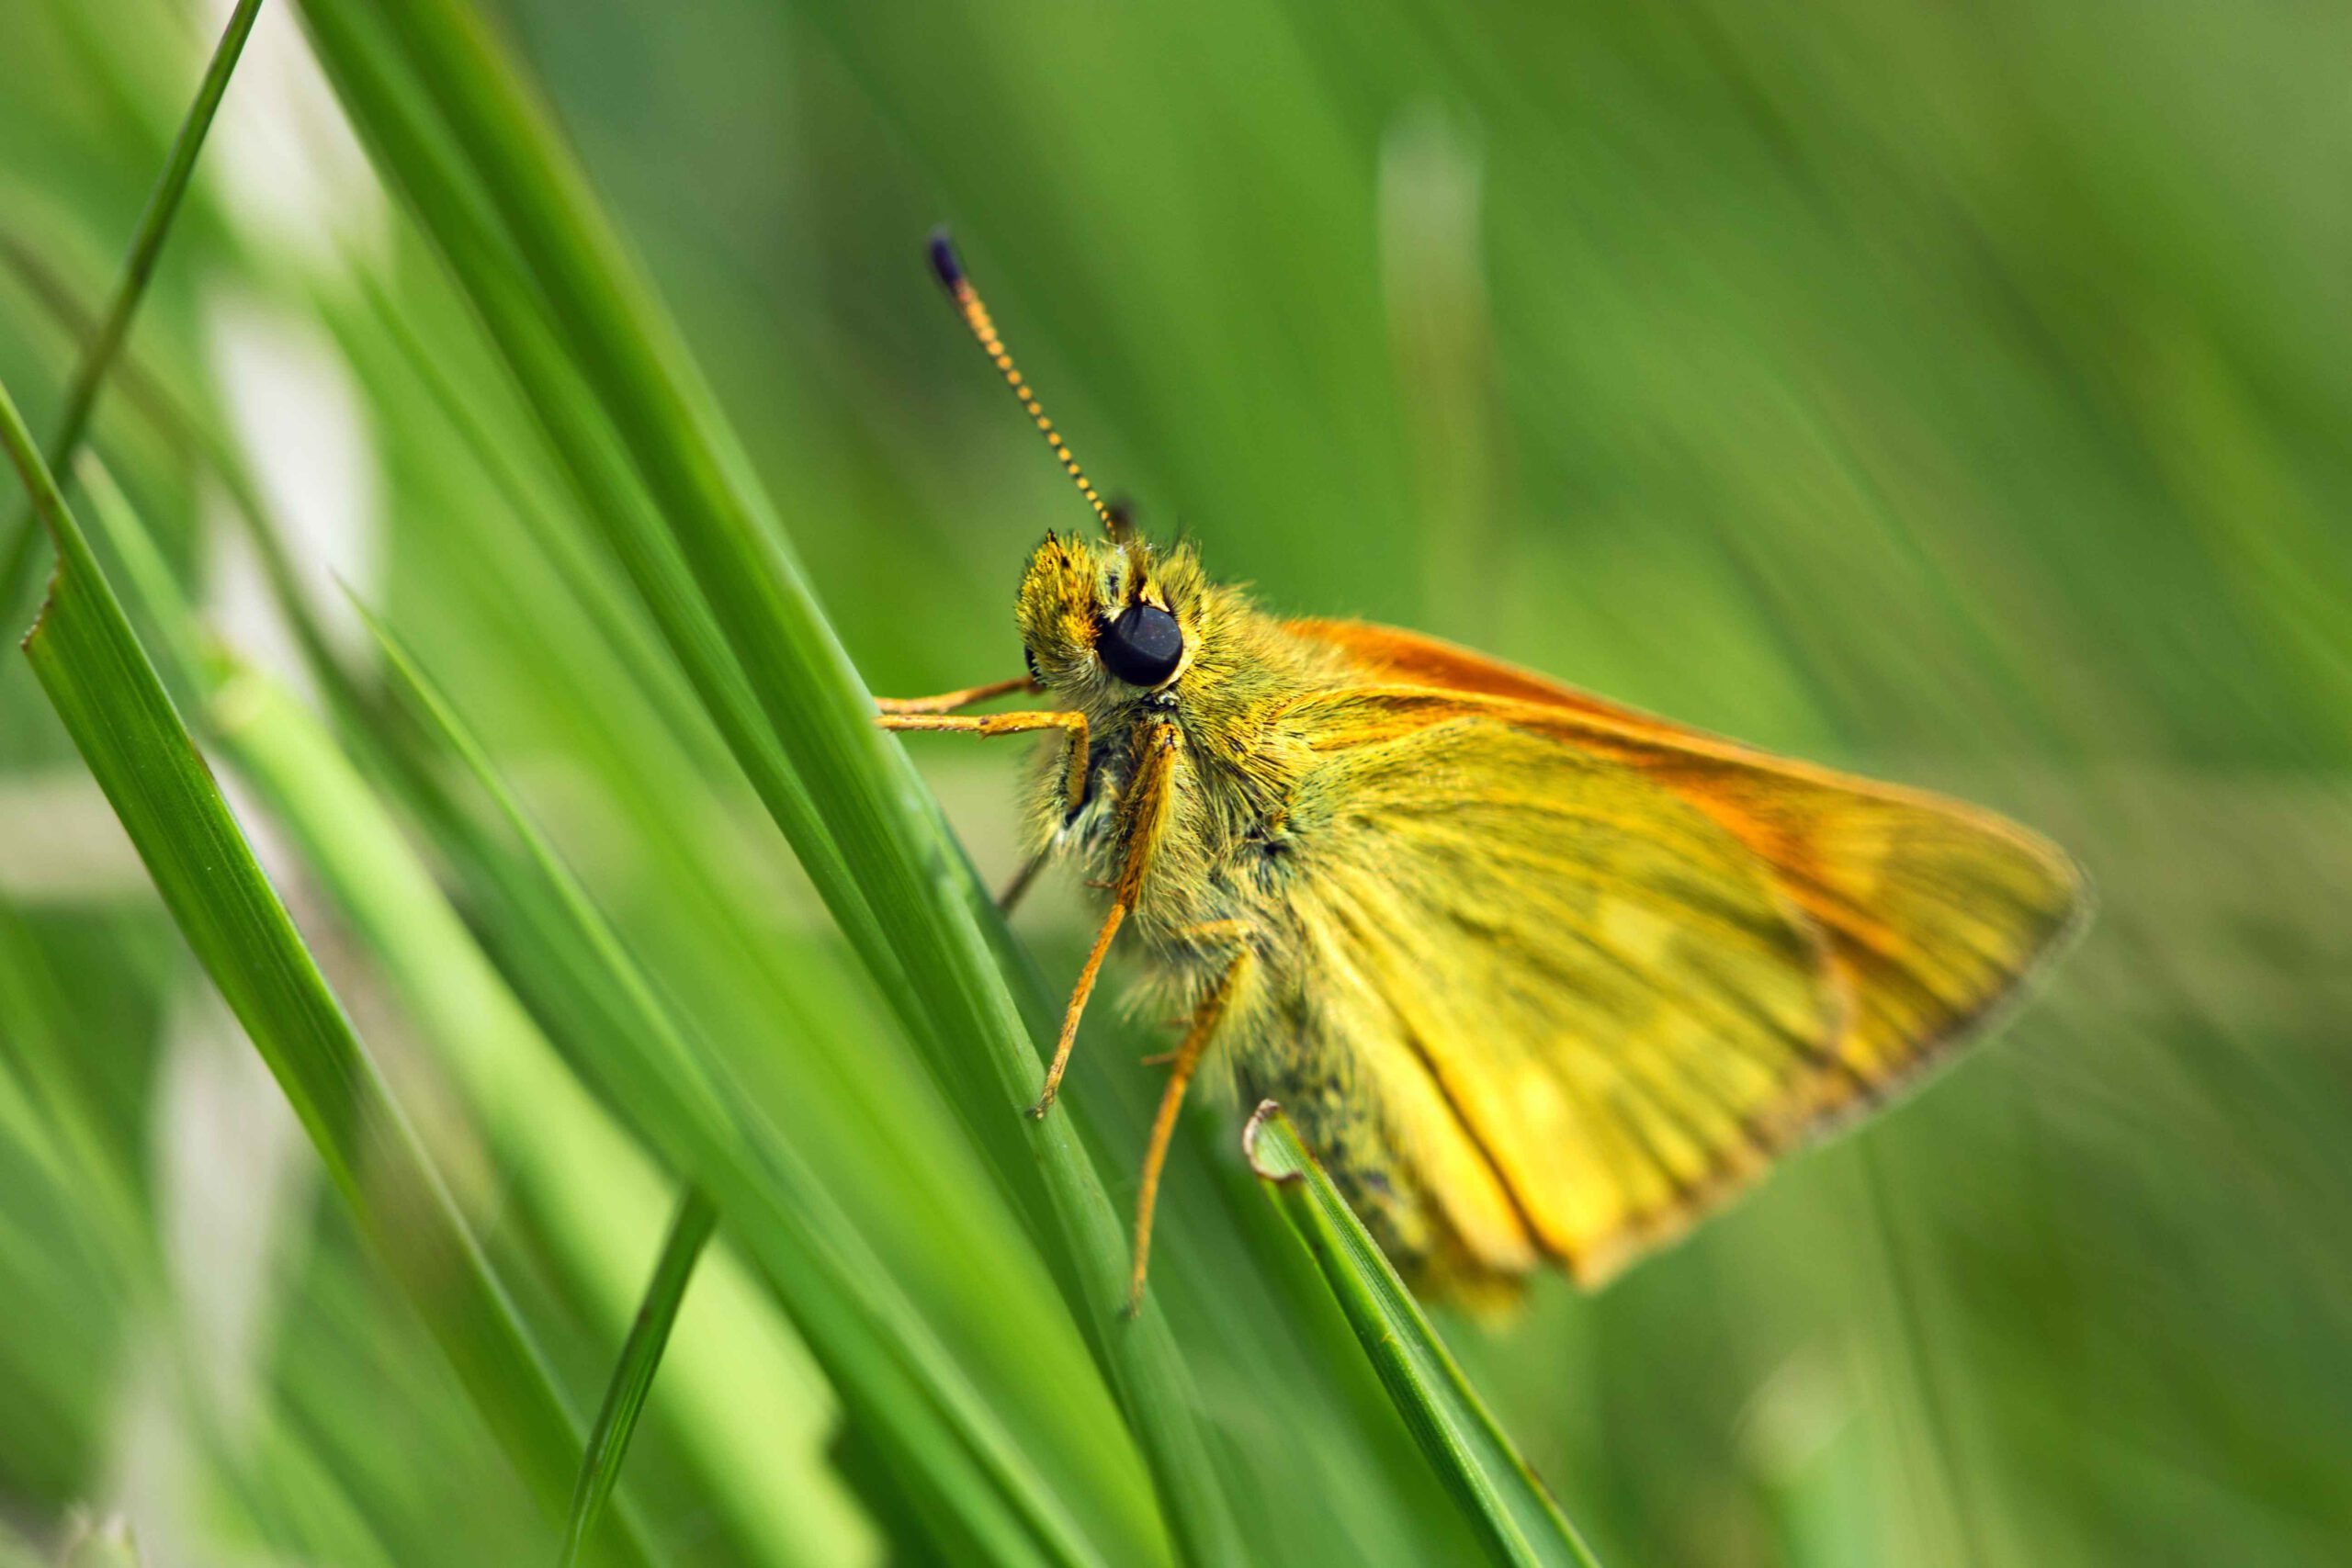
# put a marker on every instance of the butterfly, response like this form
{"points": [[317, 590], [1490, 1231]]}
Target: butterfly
{"points": [[1540, 979]]}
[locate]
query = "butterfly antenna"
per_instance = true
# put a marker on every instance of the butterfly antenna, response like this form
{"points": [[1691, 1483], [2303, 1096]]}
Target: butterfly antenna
{"points": [[959, 289]]}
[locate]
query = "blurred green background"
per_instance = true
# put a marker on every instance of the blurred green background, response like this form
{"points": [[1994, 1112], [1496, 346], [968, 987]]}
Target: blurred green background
{"points": [[1958, 395]]}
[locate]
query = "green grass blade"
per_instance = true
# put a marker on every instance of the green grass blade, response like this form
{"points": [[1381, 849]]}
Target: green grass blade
{"points": [[131, 287], [422, 157], [149, 594], [875, 850], [103, 686], [593, 1203], [649, 1335], [1506, 1505], [904, 1395]]}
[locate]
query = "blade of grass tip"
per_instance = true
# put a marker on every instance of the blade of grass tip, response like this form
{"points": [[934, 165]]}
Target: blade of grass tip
{"points": [[1513, 1516], [649, 1335], [131, 287], [875, 815], [105, 689]]}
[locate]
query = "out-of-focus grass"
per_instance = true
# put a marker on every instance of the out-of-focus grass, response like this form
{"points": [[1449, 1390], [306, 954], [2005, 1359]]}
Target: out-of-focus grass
{"points": [[1954, 395]]}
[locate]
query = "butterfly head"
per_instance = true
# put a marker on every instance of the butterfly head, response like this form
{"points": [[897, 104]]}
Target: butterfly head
{"points": [[1109, 618]]}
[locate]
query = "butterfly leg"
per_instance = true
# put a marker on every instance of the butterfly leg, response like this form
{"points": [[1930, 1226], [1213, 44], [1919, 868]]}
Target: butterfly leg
{"points": [[948, 702], [1205, 1019], [1074, 780], [1141, 812], [1073, 724]]}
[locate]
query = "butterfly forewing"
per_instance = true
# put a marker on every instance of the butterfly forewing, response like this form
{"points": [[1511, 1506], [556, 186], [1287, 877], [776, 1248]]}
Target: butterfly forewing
{"points": [[1623, 963], [1540, 959]]}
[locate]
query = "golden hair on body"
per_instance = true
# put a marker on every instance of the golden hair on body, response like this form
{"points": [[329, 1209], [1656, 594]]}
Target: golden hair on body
{"points": [[1538, 978]]}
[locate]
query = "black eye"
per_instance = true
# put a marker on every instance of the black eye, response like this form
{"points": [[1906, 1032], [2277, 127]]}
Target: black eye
{"points": [[1143, 647]]}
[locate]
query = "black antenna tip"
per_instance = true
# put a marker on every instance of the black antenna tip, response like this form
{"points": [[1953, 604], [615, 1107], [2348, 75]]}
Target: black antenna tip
{"points": [[943, 264]]}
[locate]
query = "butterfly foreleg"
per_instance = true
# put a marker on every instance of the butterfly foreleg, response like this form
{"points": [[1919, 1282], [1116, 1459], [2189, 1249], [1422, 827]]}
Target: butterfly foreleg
{"points": [[1142, 812], [1071, 724], [948, 702], [1203, 1028]]}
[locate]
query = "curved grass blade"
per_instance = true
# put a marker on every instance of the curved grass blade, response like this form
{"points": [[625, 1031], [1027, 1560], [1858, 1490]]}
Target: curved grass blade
{"points": [[906, 1397], [262, 735], [104, 687], [138, 267], [1513, 1516], [633, 1376], [591, 1201], [521, 228]]}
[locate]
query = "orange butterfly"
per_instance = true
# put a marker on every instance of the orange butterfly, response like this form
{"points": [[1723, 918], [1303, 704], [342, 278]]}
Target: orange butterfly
{"points": [[1537, 976]]}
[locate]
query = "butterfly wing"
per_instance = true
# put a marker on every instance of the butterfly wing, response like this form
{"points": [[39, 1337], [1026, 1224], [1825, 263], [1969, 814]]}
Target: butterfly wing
{"points": [[1598, 969], [1386, 657], [1932, 909], [1581, 1006]]}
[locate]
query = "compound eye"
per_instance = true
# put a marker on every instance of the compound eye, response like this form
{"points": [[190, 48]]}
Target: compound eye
{"points": [[1143, 647]]}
